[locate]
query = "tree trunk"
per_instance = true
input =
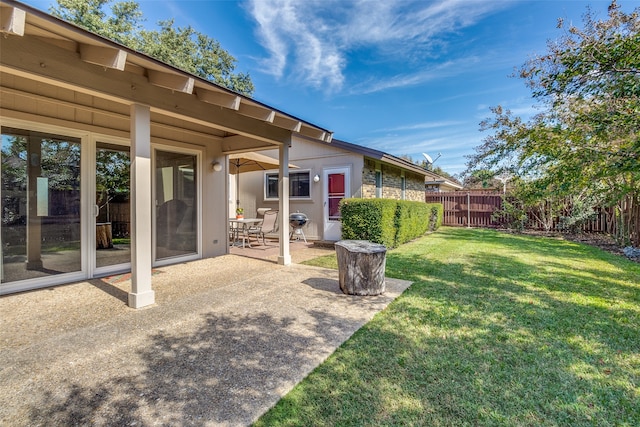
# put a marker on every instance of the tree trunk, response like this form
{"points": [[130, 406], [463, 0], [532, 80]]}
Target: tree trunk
{"points": [[361, 266]]}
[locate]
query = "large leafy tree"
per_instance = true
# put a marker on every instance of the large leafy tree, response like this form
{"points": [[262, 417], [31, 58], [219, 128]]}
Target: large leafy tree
{"points": [[585, 142], [183, 48]]}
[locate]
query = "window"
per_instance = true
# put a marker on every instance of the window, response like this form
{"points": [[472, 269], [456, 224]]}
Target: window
{"points": [[403, 187], [378, 184], [299, 185]]}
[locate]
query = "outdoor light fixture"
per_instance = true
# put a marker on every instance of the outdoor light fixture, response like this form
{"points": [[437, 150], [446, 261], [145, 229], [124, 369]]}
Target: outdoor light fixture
{"points": [[316, 178], [216, 166]]}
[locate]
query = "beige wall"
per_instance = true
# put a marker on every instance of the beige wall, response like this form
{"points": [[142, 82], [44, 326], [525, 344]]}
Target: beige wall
{"points": [[307, 155]]}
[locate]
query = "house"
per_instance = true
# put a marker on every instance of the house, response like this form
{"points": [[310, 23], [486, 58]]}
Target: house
{"points": [[327, 173], [113, 161], [438, 184]]}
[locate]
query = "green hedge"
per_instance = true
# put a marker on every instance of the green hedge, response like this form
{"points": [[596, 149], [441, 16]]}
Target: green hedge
{"points": [[369, 219], [389, 222], [437, 216]]}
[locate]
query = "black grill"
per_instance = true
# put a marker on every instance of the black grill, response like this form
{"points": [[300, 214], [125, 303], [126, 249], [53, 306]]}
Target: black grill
{"points": [[298, 220]]}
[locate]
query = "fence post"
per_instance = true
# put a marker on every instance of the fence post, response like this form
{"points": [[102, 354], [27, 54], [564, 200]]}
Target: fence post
{"points": [[468, 210]]}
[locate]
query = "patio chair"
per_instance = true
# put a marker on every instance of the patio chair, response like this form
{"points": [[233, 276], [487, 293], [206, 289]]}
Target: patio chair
{"points": [[260, 212], [268, 225]]}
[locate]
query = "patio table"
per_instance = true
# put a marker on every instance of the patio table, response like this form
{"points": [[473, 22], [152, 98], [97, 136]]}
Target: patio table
{"points": [[239, 228]]}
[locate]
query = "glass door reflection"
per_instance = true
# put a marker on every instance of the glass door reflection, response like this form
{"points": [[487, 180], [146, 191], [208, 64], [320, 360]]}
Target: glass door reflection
{"points": [[176, 205], [112, 205], [40, 187]]}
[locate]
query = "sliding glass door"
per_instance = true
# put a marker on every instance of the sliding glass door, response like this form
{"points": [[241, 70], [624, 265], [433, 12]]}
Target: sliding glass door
{"points": [[176, 213], [57, 226], [112, 206], [40, 205]]}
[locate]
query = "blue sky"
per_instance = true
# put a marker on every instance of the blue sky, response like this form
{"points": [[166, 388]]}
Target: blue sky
{"points": [[400, 76]]}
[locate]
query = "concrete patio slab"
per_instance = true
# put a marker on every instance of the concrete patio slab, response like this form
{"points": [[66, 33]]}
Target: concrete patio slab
{"points": [[227, 338]]}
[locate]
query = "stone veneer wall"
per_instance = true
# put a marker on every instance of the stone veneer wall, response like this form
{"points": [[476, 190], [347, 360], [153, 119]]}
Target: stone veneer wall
{"points": [[369, 180], [391, 184]]}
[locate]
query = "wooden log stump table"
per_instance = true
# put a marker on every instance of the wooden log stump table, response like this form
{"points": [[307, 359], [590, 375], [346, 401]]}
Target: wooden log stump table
{"points": [[361, 266], [103, 235]]}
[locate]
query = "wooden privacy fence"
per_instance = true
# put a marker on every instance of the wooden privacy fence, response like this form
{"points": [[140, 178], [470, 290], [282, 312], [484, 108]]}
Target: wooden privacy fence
{"points": [[468, 209], [475, 209]]}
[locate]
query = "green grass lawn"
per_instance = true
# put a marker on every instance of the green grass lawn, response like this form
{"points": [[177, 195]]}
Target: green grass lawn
{"points": [[497, 329]]}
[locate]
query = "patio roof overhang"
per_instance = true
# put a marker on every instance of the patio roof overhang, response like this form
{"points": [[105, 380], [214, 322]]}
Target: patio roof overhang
{"points": [[44, 48], [99, 76]]}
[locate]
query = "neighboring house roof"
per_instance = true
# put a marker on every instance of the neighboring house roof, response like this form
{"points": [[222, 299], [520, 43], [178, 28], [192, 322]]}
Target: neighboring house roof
{"points": [[444, 183], [95, 49]]}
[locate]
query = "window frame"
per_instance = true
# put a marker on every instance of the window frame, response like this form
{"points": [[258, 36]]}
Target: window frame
{"points": [[268, 197]]}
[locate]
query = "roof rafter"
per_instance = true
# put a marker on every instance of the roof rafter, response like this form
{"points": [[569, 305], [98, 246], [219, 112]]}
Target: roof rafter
{"points": [[106, 56], [241, 143], [12, 20], [171, 81], [36, 59], [257, 112], [222, 99], [287, 123]]}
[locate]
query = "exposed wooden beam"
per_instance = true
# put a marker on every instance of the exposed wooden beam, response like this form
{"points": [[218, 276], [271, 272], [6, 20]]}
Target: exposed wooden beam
{"points": [[258, 112], [173, 128], [62, 103], [12, 20], [105, 56], [287, 123], [222, 99], [171, 81], [240, 143], [32, 58]]}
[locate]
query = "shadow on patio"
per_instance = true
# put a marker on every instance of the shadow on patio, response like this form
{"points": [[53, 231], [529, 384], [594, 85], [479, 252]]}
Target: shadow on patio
{"points": [[228, 337]]}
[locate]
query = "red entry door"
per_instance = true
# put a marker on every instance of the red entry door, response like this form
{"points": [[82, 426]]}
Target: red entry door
{"points": [[337, 188]]}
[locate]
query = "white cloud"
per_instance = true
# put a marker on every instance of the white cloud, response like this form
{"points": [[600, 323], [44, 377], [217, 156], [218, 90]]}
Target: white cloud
{"points": [[414, 140], [438, 71], [424, 125], [310, 40]]}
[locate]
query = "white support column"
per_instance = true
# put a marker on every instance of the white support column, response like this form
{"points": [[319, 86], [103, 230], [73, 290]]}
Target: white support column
{"points": [[141, 293], [284, 258]]}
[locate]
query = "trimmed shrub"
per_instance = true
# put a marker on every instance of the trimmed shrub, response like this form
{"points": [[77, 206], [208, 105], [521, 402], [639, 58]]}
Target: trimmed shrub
{"points": [[388, 222], [369, 219], [412, 221]]}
